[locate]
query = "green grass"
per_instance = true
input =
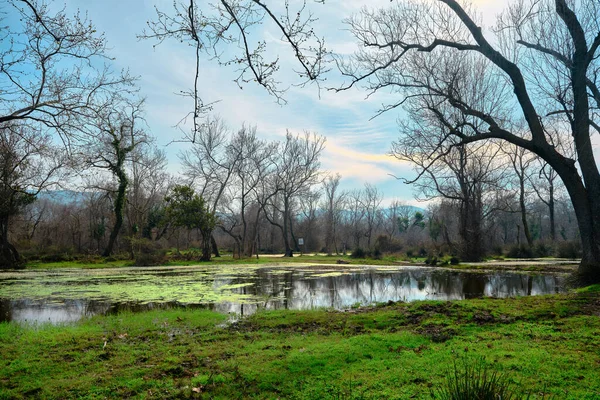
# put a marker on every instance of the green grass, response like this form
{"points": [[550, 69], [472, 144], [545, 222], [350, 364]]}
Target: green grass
{"points": [[224, 259], [547, 345]]}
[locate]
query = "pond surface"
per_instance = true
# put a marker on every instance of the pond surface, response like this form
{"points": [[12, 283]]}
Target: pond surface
{"points": [[71, 294]]}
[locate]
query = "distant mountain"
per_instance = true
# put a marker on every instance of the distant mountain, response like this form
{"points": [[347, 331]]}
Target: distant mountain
{"points": [[62, 196]]}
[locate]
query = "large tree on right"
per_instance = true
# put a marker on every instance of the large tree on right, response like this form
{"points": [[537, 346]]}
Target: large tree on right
{"points": [[531, 81]]}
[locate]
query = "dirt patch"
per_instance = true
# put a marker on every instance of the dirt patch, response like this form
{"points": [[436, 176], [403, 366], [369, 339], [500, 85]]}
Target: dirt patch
{"points": [[437, 333], [483, 317]]}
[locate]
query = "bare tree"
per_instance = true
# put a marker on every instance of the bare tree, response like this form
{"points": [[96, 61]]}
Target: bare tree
{"points": [[308, 219], [296, 170], [254, 167], [149, 184], [354, 217], [544, 68], [390, 219], [208, 28], [28, 164], [521, 161], [546, 186], [54, 74], [465, 175], [48, 73], [371, 203], [111, 148], [333, 205]]}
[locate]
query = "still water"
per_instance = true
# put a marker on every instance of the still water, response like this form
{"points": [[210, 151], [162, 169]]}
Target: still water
{"points": [[69, 295]]}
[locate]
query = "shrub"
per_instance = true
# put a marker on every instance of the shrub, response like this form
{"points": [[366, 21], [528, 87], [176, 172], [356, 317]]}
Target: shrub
{"points": [[376, 254], [357, 253], [475, 380], [149, 253], [52, 254], [57, 257], [543, 249], [497, 250], [454, 260], [148, 260], [569, 250], [522, 251], [431, 260], [387, 245]]}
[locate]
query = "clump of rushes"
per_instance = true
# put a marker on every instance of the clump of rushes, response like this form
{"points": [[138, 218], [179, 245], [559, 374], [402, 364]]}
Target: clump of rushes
{"points": [[475, 380]]}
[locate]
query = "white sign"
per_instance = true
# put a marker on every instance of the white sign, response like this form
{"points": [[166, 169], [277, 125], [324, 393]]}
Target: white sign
{"points": [[300, 241]]}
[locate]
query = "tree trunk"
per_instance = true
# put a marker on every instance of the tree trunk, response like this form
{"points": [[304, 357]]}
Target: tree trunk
{"points": [[119, 206], [584, 202], [286, 240], [470, 231], [526, 230], [9, 256], [206, 245], [215, 248], [551, 212]]}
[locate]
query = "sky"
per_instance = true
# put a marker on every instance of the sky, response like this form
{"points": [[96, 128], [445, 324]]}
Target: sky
{"points": [[357, 146]]}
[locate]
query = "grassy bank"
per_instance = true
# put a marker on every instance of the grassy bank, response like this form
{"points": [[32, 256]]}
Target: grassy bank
{"points": [[525, 265], [547, 345], [226, 259]]}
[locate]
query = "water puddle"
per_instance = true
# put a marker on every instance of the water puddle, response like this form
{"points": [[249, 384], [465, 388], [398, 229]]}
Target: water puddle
{"points": [[71, 294]]}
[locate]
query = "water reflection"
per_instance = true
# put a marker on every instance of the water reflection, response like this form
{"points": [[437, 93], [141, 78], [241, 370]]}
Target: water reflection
{"points": [[301, 289]]}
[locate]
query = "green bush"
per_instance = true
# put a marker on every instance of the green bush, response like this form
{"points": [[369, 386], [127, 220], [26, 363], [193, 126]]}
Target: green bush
{"points": [[49, 254], [474, 380], [148, 253], [431, 260], [358, 253]]}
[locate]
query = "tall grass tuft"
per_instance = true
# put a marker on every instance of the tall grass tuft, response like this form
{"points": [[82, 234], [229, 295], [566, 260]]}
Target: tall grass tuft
{"points": [[474, 380]]}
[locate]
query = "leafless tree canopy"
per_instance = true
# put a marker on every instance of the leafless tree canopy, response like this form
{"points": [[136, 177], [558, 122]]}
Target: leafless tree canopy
{"points": [[538, 69], [221, 31], [53, 68]]}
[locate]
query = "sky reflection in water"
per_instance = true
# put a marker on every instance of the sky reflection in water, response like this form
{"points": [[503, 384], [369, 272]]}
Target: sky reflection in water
{"points": [[68, 296]]}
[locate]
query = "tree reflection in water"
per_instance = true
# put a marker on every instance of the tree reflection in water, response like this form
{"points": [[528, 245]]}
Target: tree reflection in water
{"points": [[307, 288]]}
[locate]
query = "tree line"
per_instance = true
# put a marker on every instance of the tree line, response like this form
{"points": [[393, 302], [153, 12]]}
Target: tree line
{"points": [[239, 193]]}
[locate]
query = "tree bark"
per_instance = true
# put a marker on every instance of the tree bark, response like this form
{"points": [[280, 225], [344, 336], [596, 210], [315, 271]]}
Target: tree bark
{"points": [[206, 246], [584, 204], [215, 248], [552, 213], [523, 207], [9, 256], [119, 206], [286, 240]]}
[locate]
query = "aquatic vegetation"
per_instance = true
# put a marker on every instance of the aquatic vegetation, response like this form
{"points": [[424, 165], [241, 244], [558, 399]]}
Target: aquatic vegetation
{"points": [[38, 295]]}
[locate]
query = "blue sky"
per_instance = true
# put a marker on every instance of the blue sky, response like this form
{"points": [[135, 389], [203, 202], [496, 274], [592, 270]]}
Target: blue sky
{"points": [[356, 146]]}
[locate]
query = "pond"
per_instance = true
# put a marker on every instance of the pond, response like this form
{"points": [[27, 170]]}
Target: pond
{"points": [[70, 294]]}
